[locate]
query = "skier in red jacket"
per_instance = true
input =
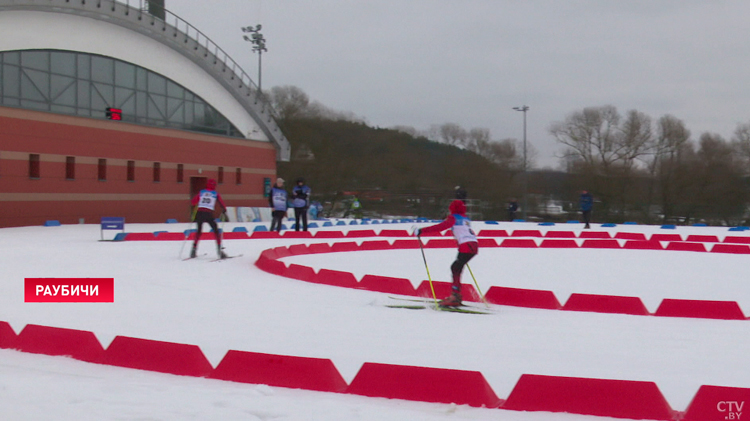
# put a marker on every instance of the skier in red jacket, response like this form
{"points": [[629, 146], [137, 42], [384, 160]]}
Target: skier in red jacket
{"points": [[468, 246]]}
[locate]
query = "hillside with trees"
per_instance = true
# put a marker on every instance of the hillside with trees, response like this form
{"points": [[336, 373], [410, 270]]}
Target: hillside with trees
{"points": [[638, 168]]}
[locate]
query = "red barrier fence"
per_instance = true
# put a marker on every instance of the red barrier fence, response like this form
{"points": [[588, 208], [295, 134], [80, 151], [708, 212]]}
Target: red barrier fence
{"points": [[714, 403], [164, 357], [606, 304], [280, 370], [7, 336], [600, 397], [424, 384], [727, 310], [519, 297], [77, 344]]}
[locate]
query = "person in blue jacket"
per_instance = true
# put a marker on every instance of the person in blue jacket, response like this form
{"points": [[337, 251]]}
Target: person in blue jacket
{"points": [[300, 202], [278, 202], [586, 204]]}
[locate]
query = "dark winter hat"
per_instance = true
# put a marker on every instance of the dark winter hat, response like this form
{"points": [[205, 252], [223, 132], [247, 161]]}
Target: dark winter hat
{"points": [[458, 206], [300, 180], [211, 184]]}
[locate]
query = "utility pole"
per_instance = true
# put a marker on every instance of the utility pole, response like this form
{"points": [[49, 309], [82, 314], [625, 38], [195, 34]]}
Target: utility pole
{"points": [[523, 109]]}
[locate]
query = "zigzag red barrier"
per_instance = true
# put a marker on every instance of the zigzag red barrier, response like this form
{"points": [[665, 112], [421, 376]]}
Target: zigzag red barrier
{"points": [[715, 403], [163, 357], [727, 310], [443, 289], [519, 297], [280, 370], [7, 336], [606, 304], [387, 284], [423, 384], [77, 344], [600, 397], [336, 278]]}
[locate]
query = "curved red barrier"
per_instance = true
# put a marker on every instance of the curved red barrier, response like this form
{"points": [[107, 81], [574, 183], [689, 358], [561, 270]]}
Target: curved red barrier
{"points": [[441, 243], [518, 297], [7, 336], [164, 357], [400, 286], [297, 234], [319, 248], [346, 246], [272, 266], [264, 234], [594, 234], [600, 397], [172, 236], [526, 233], [424, 384], [78, 344], [335, 278], [492, 233], [703, 238], [280, 370], [714, 403], [394, 233], [233, 236], [631, 236], [360, 233], [443, 289], [299, 272], [406, 244], [299, 249], [375, 245], [666, 237], [736, 239], [727, 310], [606, 304], [560, 234], [642, 245], [329, 234]]}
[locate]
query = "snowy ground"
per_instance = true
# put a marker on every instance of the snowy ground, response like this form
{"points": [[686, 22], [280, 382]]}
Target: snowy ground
{"points": [[233, 305]]}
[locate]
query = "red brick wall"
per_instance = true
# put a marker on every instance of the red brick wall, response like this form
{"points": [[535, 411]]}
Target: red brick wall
{"points": [[28, 201]]}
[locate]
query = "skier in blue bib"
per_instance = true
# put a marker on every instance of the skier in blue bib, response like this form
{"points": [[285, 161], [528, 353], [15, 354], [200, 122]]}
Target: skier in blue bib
{"points": [[205, 202]]}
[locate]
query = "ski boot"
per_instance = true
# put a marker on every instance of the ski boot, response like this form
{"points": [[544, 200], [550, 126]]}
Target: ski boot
{"points": [[222, 255], [454, 300], [194, 251]]}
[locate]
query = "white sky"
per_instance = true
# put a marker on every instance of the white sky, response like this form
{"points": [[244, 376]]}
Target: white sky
{"points": [[424, 62]]}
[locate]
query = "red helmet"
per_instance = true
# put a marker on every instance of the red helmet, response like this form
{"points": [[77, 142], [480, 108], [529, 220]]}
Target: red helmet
{"points": [[211, 184], [457, 206]]}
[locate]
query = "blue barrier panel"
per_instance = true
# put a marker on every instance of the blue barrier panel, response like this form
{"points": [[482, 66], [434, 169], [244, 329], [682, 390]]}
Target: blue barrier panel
{"points": [[312, 225], [491, 222], [257, 220], [519, 220], [700, 224], [327, 224], [546, 224], [171, 221], [52, 223], [239, 229], [353, 222], [630, 223], [375, 222], [260, 228], [668, 227], [574, 221], [341, 223], [111, 223], [190, 231], [120, 236], [608, 225]]}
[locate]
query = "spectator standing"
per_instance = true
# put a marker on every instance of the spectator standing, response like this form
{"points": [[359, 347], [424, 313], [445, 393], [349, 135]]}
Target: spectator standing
{"points": [[301, 202], [586, 204], [512, 209], [278, 202], [461, 194]]}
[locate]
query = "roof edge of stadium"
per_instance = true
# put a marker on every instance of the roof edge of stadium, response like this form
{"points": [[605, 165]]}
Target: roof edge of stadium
{"points": [[184, 38]]}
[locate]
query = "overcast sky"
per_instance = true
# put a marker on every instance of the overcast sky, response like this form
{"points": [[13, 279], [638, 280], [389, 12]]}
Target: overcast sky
{"points": [[427, 62]]}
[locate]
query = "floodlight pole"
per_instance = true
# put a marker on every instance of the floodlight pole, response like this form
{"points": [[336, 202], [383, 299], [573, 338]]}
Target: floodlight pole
{"points": [[523, 109], [259, 46]]}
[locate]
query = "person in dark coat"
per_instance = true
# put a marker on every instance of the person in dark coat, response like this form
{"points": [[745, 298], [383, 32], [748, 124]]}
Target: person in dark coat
{"points": [[301, 202], [461, 194], [586, 204], [512, 209]]}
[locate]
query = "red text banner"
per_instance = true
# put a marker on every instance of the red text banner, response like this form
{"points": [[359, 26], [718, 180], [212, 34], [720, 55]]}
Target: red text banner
{"points": [[69, 290]]}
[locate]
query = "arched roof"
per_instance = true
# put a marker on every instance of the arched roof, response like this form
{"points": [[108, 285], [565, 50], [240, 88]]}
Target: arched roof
{"points": [[178, 51]]}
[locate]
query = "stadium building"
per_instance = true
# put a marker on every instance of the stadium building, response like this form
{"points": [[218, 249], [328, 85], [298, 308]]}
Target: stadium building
{"points": [[112, 108]]}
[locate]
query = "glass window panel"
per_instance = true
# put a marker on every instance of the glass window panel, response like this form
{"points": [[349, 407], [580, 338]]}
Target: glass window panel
{"points": [[189, 113], [38, 60], [60, 84], [102, 69], [157, 84], [84, 93], [67, 97], [34, 105], [29, 89], [177, 111], [122, 95], [141, 79], [128, 108], [11, 81], [157, 107], [63, 63], [11, 101], [12, 57], [98, 103], [83, 111], [124, 74], [107, 93], [199, 114], [40, 81], [174, 90], [84, 66], [141, 104]]}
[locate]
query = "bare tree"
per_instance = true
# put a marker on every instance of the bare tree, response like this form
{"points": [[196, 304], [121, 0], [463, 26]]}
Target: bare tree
{"points": [[452, 134], [289, 101]]}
